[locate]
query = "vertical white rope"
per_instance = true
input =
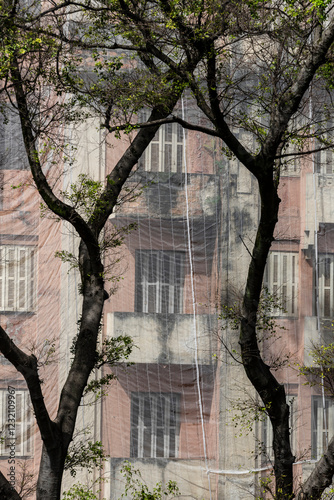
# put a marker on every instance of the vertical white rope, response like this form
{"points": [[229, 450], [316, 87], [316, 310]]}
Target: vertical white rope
{"points": [[200, 404], [316, 256]]}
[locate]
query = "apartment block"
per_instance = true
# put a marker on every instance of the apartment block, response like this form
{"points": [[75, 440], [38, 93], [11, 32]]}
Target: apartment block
{"points": [[183, 410]]}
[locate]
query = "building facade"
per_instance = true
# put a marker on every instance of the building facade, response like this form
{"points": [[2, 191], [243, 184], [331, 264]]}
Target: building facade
{"points": [[183, 410]]}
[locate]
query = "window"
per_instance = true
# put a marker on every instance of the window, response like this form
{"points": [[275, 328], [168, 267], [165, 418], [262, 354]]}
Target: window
{"points": [[165, 152], [290, 165], [323, 160], [326, 282], [12, 150], [244, 177], [281, 279], [267, 431], [322, 425], [16, 423], [16, 278], [159, 281], [154, 424]]}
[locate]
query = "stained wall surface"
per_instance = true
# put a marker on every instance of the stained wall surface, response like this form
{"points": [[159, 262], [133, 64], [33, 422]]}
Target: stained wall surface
{"points": [[183, 409]]}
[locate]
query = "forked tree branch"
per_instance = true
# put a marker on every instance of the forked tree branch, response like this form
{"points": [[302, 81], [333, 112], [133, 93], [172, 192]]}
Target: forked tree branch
{"points": [[57, 206], [27, 366]]}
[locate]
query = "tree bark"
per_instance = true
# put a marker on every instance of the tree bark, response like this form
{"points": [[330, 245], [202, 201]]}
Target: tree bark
{"points": [[7, 492], [50, 473], [321, 476], [53, 457], [271, 392]]}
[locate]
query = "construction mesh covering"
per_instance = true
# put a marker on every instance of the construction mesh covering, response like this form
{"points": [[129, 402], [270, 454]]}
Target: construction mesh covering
{"points": [[183, 410]]}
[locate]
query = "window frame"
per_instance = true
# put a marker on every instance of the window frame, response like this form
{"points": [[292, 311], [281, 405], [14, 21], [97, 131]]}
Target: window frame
{"points": [[267, 430], [152, 290], [279, 266], [13, 155], [17, 283], [323, 159], [169, 137], [318, 430], [326, 285], [140, 431], [23, 424]]}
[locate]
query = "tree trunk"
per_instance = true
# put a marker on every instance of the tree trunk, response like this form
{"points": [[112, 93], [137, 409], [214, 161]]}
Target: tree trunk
{"points": [[271, 392], [53, 455], [50, 474], [7, 492], [321, 476]]}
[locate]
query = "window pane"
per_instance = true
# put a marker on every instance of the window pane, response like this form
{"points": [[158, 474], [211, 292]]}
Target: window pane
{"points": [[147, 442], [166, 268], [284, 297], [17, 423], [11, 263], [179, 133], [285, 268], [177, 300], [275, 276], [154, 157], [168, 158], [327, 307], [328, 162], [18, 407], [152, 273], [22, 266], [157, 427], [16, 278], [326, 285], [10, 301], [160, 443], [179, 159], [168, 132], [22, 293], [134, 410], [314, 428], [134, 443], [173, 411], [322, 425], [327, 271], [160, 411], [29, 427], [281, 279], [147, 411], [165, 151], [172, 453], [165, 299], [152, 294], [159, 281]]}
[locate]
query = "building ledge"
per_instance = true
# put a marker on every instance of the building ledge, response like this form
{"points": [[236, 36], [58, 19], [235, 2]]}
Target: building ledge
{"points": [[167, 338]]}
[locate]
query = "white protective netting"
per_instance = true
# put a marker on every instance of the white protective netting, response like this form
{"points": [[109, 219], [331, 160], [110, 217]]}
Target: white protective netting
{"points": [[173, 412]]}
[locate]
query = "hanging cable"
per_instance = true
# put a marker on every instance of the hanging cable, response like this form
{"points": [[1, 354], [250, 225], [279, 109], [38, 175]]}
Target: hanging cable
{"points": [[200, 404]]}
